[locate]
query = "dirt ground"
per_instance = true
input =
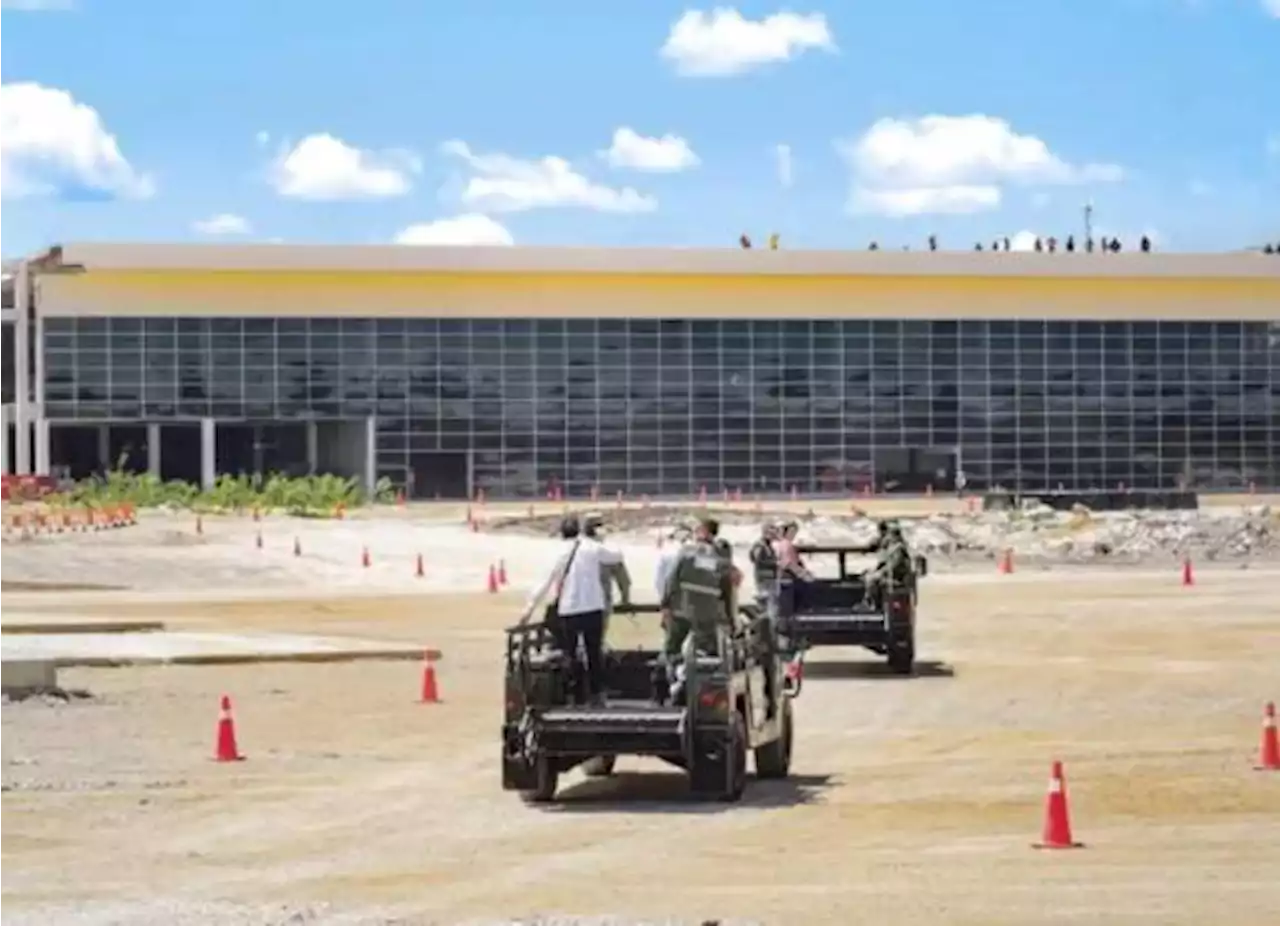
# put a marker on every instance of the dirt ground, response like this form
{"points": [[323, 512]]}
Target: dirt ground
{"points": [[912, 800]]}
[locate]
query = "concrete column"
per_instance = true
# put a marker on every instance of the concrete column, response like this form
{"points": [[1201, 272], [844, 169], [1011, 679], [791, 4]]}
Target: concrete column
{"points": [[208, 453], [370, 455], [153, 450], [104, 447], [21, 371], [42, 425], [42, 446], [7, 419], [313, 447]]}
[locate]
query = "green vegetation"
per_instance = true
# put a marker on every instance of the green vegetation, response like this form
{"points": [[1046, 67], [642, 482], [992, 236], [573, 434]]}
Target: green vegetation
{"points": [[304, 496]]}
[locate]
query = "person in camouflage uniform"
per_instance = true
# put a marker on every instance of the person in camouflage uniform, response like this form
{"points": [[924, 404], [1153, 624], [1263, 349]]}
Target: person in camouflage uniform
{"points": [[699, 597], [893, 566]]}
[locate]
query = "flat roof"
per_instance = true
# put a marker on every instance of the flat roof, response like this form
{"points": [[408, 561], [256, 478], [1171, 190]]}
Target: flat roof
{"points": [[659, 261]]}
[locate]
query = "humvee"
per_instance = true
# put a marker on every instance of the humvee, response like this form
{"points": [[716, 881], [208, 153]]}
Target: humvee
{"points": [[836, 610], [735, 701]]}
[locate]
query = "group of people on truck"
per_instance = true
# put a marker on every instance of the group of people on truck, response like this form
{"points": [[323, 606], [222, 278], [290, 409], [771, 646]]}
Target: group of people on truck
{"points": [[696, 583], [777, 563]]}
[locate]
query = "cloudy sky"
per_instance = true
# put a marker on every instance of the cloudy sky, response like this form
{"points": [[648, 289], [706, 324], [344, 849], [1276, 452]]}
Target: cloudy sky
{"points": [[639, 122]]}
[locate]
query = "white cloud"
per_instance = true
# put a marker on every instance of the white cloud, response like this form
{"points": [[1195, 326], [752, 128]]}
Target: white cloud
{"points": [[502, 183], [667, 154], [224, 223], [322, 167], [1023, 241], [782, 155], [38, 6], [50, 143], [470, 229], [953, 164], [722, 43], [946, 200]]}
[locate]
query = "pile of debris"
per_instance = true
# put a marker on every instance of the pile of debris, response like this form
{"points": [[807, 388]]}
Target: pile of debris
{"points": [[1034, 534]]}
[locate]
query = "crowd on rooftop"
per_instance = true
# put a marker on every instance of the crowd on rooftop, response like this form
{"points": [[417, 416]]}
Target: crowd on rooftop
{"points": [[1050, 245]]}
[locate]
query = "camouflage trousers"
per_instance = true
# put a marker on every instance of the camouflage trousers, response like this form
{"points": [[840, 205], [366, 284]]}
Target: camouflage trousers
{"points": [[679, 628]]}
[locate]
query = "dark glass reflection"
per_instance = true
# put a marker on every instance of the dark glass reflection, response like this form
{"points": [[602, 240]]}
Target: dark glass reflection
{"points": [[648, 406]]}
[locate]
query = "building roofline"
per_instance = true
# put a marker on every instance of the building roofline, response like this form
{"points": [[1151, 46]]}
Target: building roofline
{"points": [[662, 261]]}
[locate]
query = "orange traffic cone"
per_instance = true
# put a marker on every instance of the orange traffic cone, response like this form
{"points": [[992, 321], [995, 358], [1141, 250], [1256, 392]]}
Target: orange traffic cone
{"points": [[419, 571], [399, 498], [502, 572], [365, 559], [493, 580], [226, 749], [1188, 576], [430, 691], [297, 547], [1006, 562], [1269, 755], [1057, 819]]}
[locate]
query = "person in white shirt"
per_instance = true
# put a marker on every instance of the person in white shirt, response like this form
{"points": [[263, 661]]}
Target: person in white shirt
{"points": [[579, 601]]}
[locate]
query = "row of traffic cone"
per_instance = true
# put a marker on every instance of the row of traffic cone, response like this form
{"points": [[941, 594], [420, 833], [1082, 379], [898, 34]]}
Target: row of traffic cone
{"points": [[1057, 834], [1004, 566], [227, 749], [497, 576]]}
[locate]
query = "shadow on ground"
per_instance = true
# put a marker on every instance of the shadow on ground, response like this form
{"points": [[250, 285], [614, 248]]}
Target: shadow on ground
{"points": [[668, 792], [926, 668]]}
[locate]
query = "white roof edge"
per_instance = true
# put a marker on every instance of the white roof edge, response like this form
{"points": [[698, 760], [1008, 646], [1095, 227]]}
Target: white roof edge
{"points": [[714, 261]]}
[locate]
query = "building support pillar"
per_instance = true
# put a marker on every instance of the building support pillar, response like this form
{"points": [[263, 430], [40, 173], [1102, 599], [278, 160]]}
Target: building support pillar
{"points": [[4, 439], [370, 456], [153, 450], [43, 463], [313, 448], [21, 369], [208, 453], [104, 448]]}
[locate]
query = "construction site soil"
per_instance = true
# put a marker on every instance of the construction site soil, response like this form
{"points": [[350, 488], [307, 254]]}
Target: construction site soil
{"points": [[912, 799]]}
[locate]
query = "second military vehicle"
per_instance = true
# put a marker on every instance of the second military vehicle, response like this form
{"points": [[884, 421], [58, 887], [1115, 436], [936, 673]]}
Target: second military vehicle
{"points": [[838, 610]]}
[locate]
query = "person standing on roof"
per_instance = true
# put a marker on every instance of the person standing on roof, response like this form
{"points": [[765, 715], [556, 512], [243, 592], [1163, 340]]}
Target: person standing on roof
{"points": [[579, 601]]}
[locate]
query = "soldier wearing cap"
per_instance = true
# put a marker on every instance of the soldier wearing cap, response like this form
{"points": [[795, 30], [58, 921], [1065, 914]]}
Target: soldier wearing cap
{"points": [[893, 565], [699, 597]]}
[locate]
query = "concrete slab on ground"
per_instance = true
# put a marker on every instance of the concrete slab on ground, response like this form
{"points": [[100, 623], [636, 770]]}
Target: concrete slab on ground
{"points": [[73, 623], [19, 676], [165, 648]]}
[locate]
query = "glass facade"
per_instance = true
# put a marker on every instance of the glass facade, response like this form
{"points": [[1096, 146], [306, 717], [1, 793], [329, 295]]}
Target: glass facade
{"points": [[668, 406]]}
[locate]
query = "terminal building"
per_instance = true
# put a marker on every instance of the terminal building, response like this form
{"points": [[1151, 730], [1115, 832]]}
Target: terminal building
{"points": [[519, 370]]}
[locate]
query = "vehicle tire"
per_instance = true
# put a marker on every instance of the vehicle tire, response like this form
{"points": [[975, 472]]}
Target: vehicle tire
{"points": [[735, 774], [547, 780], [599, 767], [773, 760], [902, 652]]}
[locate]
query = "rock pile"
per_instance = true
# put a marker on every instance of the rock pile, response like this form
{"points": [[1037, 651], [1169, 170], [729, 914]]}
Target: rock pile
{"points": [[1036, 533]]}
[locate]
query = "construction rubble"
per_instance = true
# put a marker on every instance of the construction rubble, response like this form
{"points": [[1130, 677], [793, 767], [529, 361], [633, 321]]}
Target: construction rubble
{"points": [[1036, 534]]}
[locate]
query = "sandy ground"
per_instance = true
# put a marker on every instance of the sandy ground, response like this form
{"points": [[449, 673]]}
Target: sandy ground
{"points": [[913, 800]]}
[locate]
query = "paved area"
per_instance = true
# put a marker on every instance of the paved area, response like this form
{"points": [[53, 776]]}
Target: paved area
{"points": [[913, 800]]}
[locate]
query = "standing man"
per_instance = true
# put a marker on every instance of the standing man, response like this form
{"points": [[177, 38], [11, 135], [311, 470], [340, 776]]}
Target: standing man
{"points": [[579, 603], [611, 574], [698, 599], [764, 562]]}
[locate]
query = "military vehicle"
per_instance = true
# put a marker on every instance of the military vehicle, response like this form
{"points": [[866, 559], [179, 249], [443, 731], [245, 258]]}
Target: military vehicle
{"points": [[734, 702], [837, 610]]}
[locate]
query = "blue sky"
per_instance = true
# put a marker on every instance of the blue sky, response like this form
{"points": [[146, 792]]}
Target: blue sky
{"points": [[314, 120]]}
